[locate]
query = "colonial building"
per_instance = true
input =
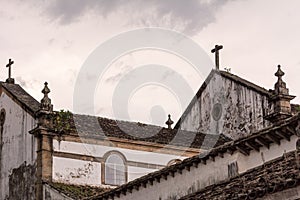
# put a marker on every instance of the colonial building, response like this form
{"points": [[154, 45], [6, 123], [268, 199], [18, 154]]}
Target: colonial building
{"points": [[264, 165], [261, 163], [42, 149], [240, 131]]}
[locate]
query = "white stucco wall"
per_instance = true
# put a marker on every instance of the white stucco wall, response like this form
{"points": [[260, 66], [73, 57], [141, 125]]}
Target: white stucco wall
{"points": [[65, 168], [275, 150], [242, 109], [136, 172], [213, 172], [76, 171], [18, 145]]}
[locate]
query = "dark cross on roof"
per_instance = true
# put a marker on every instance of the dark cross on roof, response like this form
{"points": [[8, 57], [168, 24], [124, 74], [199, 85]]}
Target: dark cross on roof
{"points": [[216, 51], [10, 63]]}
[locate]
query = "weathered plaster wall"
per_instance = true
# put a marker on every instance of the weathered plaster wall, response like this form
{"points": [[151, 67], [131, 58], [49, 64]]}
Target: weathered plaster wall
{"points": [[22, 182], [73, 170], [18, 149], [242, 109], [213, 172], [76, 171]]}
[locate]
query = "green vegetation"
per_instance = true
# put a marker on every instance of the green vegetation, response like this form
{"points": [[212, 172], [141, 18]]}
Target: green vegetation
{"points": [[62, 120], [78, 191]]}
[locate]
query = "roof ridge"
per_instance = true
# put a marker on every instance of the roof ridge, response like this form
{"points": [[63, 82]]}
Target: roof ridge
{"points": [[22, 96], [229, 180], [153, 125], [198, 158], [245, 82]]}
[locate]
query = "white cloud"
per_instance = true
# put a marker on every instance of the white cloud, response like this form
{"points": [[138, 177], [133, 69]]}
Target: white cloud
{"points": [[50, 40]]}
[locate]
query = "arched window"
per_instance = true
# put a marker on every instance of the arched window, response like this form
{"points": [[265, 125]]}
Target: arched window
{"points": [[115, 169]]}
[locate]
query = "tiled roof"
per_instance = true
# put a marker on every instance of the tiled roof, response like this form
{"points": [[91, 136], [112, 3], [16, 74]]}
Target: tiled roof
{"points": [[295, 108], [85, 125], [274, 176], [77, 191], [91, 125], [265, 137], [22, 96]]}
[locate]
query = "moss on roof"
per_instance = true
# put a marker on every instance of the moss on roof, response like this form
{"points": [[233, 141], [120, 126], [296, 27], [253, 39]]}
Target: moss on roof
{"points": [[78, 191]]}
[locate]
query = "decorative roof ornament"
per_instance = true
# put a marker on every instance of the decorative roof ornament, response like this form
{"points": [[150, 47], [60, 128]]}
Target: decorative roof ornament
{"points": [[46, 101], [169, 122], [280, 99], [216, 51], [9, 79], [280, 85]]}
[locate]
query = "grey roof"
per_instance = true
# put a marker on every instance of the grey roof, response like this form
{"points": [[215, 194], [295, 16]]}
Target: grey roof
{"points": [[286, 128], [22, 96], [99, 127], [276, 175], [77, 191]]}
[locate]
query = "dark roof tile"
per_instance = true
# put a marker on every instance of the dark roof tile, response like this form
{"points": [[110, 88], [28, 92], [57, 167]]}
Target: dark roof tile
{"points": [[85, 125], [291, 123], [77, 191]]}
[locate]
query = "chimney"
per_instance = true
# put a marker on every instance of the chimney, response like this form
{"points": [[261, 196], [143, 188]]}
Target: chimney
{"points": [[280, 99]]}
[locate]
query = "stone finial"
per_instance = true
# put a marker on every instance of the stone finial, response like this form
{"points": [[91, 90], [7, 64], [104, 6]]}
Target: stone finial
{"points": [[46, 101], [169, 122], [280, 99], [280, 85]]}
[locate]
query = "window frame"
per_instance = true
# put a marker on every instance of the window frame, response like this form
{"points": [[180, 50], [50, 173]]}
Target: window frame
{"points": [[103, 166]]}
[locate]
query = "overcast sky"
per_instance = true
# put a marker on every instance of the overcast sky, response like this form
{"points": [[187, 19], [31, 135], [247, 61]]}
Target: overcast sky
{"points": [[50, 41]]}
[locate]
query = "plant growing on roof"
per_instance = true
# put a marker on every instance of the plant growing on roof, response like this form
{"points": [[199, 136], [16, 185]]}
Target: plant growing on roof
{"points": [[62, 120]]}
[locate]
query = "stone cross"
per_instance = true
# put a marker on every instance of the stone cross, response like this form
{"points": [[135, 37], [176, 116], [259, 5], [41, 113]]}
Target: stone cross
{"points": [[216, 51], [10, 63]]}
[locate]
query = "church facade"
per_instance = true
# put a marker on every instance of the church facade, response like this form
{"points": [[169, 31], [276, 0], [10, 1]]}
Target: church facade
{"points": [[263, 164], [234, 125], [42, 149]]}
